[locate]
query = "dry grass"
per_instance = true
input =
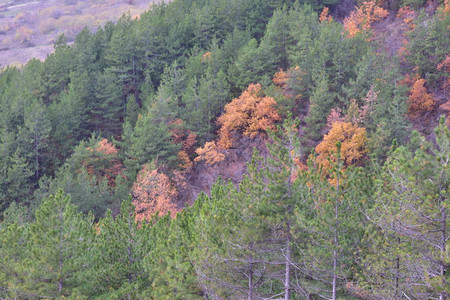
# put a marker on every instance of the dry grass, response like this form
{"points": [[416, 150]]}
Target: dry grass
{"points": [[27, 24]]}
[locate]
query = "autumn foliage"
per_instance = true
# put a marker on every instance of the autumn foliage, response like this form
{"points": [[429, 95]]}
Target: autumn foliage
{"points": [[324, 15], [284, 81], [280, 79], [420, 101], [406, 14], [154, 192], [209, 153], [250, 115], [353, 144], [362, 18]]}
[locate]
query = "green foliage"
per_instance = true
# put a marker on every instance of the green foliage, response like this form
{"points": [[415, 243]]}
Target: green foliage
{"points": [[286, 230], [428, 44], [108, 110], [252, 66], [150, 140], [410, 214], [204, 100], [58, 238], [115, 267]]}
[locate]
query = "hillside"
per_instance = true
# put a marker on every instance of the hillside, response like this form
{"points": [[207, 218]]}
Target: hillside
{"points": [[231, 149], [29, 28]]}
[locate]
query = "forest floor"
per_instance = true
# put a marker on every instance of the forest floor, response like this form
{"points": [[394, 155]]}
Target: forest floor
{"points": [[28, 28]]}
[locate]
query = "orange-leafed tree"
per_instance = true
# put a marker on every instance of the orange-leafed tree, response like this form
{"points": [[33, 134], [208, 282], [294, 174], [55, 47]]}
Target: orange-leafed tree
{"points": [[154, 192], [361, 19], [325, 16], [280, 79], [353, 145], [407, 15], [210, 154], [419, 101], [250, 114]]}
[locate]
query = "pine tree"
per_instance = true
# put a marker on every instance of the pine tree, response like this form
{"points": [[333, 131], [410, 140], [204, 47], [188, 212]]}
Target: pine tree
{"points": [[331, 227], [108, 111], [15, 261], [16, 181], [58, 238], [39, 127], [116, 260], [412, 210], [151, 140]]}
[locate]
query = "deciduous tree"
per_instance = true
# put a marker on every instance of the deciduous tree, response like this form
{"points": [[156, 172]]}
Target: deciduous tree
{"points": [[154, 194], [420, 101], [352, 140], [361, 19], [250, 114]]}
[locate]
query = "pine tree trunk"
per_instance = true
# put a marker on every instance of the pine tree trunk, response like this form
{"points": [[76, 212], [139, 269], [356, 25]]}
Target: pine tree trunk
{"points": [[287, 283], [250, 283], [336, 242], [60, 245], [443, 296]]}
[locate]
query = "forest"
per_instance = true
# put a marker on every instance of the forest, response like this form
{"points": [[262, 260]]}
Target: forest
{"points": [[232, 149]]}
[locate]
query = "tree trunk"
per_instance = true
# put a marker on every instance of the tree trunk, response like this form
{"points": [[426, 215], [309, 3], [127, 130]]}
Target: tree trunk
{"points": [[250, 283], [443, 268], [287, 282], [336, 241]]}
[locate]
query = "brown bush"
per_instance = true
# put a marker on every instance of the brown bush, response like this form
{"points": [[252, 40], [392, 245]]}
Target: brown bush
{"points": [[23, 34]]}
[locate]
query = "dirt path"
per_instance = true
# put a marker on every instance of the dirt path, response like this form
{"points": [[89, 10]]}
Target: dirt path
{"points": [[21, 5]]}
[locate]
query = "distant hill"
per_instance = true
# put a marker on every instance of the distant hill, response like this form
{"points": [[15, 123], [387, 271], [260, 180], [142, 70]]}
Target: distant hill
{"points": [[28, 28]]}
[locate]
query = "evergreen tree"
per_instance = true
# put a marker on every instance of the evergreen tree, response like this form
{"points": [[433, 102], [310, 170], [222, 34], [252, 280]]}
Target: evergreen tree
{"points": [[116, 260], [58, 238], [331, 228], [14, 272], [151, 140], [411, 214], [108, 111], [38, 129], [16, 181]]}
